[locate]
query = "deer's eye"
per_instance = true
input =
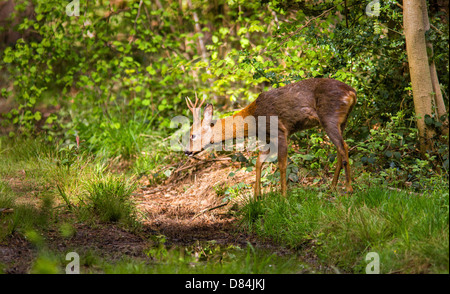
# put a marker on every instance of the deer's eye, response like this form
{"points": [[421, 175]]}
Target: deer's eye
{"points": [[193, 137]]}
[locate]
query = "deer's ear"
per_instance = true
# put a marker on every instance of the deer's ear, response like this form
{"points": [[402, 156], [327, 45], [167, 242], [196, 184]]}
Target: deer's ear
{"points": [[208, 114]]}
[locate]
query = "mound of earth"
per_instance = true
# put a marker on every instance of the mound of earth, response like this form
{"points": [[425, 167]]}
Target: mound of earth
{"points": [[188, 207]]}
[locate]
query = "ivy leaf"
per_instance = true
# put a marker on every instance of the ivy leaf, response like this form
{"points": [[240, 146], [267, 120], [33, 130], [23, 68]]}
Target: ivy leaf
{"points": [[307, 157], [293, 177], [428, 120]]}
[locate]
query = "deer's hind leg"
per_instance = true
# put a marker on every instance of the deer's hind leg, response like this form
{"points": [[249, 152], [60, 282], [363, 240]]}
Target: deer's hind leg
{"points": [[337, 171], [282, 160], [334, 132], [333, 111]]}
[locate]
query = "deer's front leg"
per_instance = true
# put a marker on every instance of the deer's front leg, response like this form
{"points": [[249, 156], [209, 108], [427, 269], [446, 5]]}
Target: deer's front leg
{"points": [[282, 160], [259, 164]]}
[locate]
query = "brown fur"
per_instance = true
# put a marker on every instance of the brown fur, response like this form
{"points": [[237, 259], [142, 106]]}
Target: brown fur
{"points": [[303, 105]]}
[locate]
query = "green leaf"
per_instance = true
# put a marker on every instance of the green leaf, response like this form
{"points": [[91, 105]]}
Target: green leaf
{"points": [[307, 157], [293, 177], [150, 70], [428, 120], [8, 58], [244, 42], [37, 116], [49, 120]]}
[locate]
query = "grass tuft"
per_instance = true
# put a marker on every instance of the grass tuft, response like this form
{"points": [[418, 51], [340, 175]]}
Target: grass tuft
{"points": [[109, 198]]}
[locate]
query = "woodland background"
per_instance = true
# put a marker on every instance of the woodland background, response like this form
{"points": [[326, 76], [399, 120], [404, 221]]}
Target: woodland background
{"points": [[103, 87]]}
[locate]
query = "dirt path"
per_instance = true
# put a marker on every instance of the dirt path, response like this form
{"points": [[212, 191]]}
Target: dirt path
{"points": [[177, 209]]}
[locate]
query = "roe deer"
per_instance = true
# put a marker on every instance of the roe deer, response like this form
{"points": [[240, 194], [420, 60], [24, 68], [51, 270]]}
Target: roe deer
{"points": [[298, 106]]}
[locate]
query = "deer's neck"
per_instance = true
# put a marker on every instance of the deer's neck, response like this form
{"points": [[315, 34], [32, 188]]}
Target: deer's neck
{"points": [[240, 124]]}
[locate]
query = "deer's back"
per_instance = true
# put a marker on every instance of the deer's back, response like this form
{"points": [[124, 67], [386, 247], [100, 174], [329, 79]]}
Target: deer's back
{"points": [[306, 103]]}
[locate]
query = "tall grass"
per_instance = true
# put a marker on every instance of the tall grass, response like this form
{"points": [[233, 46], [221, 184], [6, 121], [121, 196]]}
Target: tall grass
{"points": [[48, 180], [22, 186], [117, 135], [408, 231]]}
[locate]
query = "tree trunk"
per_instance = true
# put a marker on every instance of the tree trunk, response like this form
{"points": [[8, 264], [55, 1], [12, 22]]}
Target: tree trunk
{"points": [[201, 43], [419, 69], [438, 99], [198, 30]]}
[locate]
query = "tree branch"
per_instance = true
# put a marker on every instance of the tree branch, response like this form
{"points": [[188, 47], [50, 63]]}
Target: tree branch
{"points": [[285, 39], [135, 22]]}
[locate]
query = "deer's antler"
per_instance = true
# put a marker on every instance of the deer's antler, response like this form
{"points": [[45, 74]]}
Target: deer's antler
{"points": [[193, 107]]}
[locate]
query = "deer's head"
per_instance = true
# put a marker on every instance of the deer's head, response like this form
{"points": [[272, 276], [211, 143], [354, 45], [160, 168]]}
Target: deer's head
{"points": [[201, 133]]}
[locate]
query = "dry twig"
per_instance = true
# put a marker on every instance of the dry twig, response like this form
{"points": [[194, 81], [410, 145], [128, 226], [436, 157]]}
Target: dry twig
{"points": [[209, 209]]}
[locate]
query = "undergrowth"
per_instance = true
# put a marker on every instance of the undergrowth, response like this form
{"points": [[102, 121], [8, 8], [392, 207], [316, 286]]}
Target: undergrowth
{"points": [[39, 184], [408, 231], [198, 258]]}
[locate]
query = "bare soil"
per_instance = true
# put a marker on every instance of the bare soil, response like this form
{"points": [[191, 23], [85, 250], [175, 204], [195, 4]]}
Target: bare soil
{"points": [[179, 209]]}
